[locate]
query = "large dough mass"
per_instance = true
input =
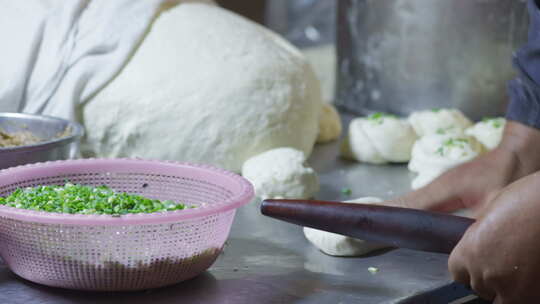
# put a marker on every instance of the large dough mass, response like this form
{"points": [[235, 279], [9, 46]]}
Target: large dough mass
{"points": [[339, 245], [205, 86]]}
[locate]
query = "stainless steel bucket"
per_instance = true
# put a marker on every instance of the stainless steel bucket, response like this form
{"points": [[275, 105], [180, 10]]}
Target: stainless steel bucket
{"points": [[404, 55]]}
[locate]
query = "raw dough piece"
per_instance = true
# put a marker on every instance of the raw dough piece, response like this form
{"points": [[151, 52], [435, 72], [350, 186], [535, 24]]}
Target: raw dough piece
{"points": [[340, 245], [323, 60], [431, 121], [281, 173], [379, 139], [434, 154], [329, 125], [489, 132], [208, 86]]}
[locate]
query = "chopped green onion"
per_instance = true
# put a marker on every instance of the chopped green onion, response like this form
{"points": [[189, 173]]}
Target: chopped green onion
{"points": [[496, 122], [81, 199], [452, 143], [442, 131], [378, 117]]}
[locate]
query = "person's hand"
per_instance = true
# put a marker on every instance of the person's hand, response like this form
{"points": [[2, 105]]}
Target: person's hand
{"points": [[499, 255], [472, 184]]}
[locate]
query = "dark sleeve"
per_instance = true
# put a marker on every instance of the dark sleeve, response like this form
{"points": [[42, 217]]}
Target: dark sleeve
{"points": [[524, 91]]}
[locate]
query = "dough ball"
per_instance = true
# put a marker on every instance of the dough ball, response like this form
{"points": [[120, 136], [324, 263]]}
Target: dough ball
{"points": [[340, 245], [489, 132], [329, 124], [434, 154], [281, 173], [433, 121], [206, 86], [379, 139]]}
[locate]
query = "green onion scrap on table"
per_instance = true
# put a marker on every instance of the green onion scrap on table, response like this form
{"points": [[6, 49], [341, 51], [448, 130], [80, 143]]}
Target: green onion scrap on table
{"points": [[79, 199], [346, 191]]}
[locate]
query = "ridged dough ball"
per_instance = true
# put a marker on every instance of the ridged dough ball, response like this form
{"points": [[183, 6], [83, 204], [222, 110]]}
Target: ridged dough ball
{"points": [[434, 121], [379, 139], [489, 132]]}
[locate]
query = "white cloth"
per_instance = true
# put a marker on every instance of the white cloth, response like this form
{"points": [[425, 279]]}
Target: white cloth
{"points": [[55, 54]]}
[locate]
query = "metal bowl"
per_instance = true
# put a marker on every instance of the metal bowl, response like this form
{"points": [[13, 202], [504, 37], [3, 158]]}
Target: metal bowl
{"points": [[53, 147]]}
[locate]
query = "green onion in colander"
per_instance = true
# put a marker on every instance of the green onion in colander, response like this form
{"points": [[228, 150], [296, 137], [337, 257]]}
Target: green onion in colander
{"points": [[80, 199]]}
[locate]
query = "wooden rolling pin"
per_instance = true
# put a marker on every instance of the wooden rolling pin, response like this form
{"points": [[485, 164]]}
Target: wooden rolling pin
{"points": [[398, 227]]}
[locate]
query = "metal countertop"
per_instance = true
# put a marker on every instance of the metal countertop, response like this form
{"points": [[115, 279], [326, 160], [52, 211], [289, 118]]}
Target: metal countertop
{"points": [[267, 261]]}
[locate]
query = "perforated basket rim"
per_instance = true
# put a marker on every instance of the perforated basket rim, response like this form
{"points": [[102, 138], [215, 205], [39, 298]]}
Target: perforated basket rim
{"points": [[242, 197]]}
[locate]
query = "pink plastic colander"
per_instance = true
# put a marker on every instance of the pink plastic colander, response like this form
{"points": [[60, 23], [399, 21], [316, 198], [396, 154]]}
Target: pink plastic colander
{"points": [[131, 252]]}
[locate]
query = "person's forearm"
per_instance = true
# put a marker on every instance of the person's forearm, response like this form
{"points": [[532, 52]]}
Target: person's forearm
{"points": [[524, 142]]}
